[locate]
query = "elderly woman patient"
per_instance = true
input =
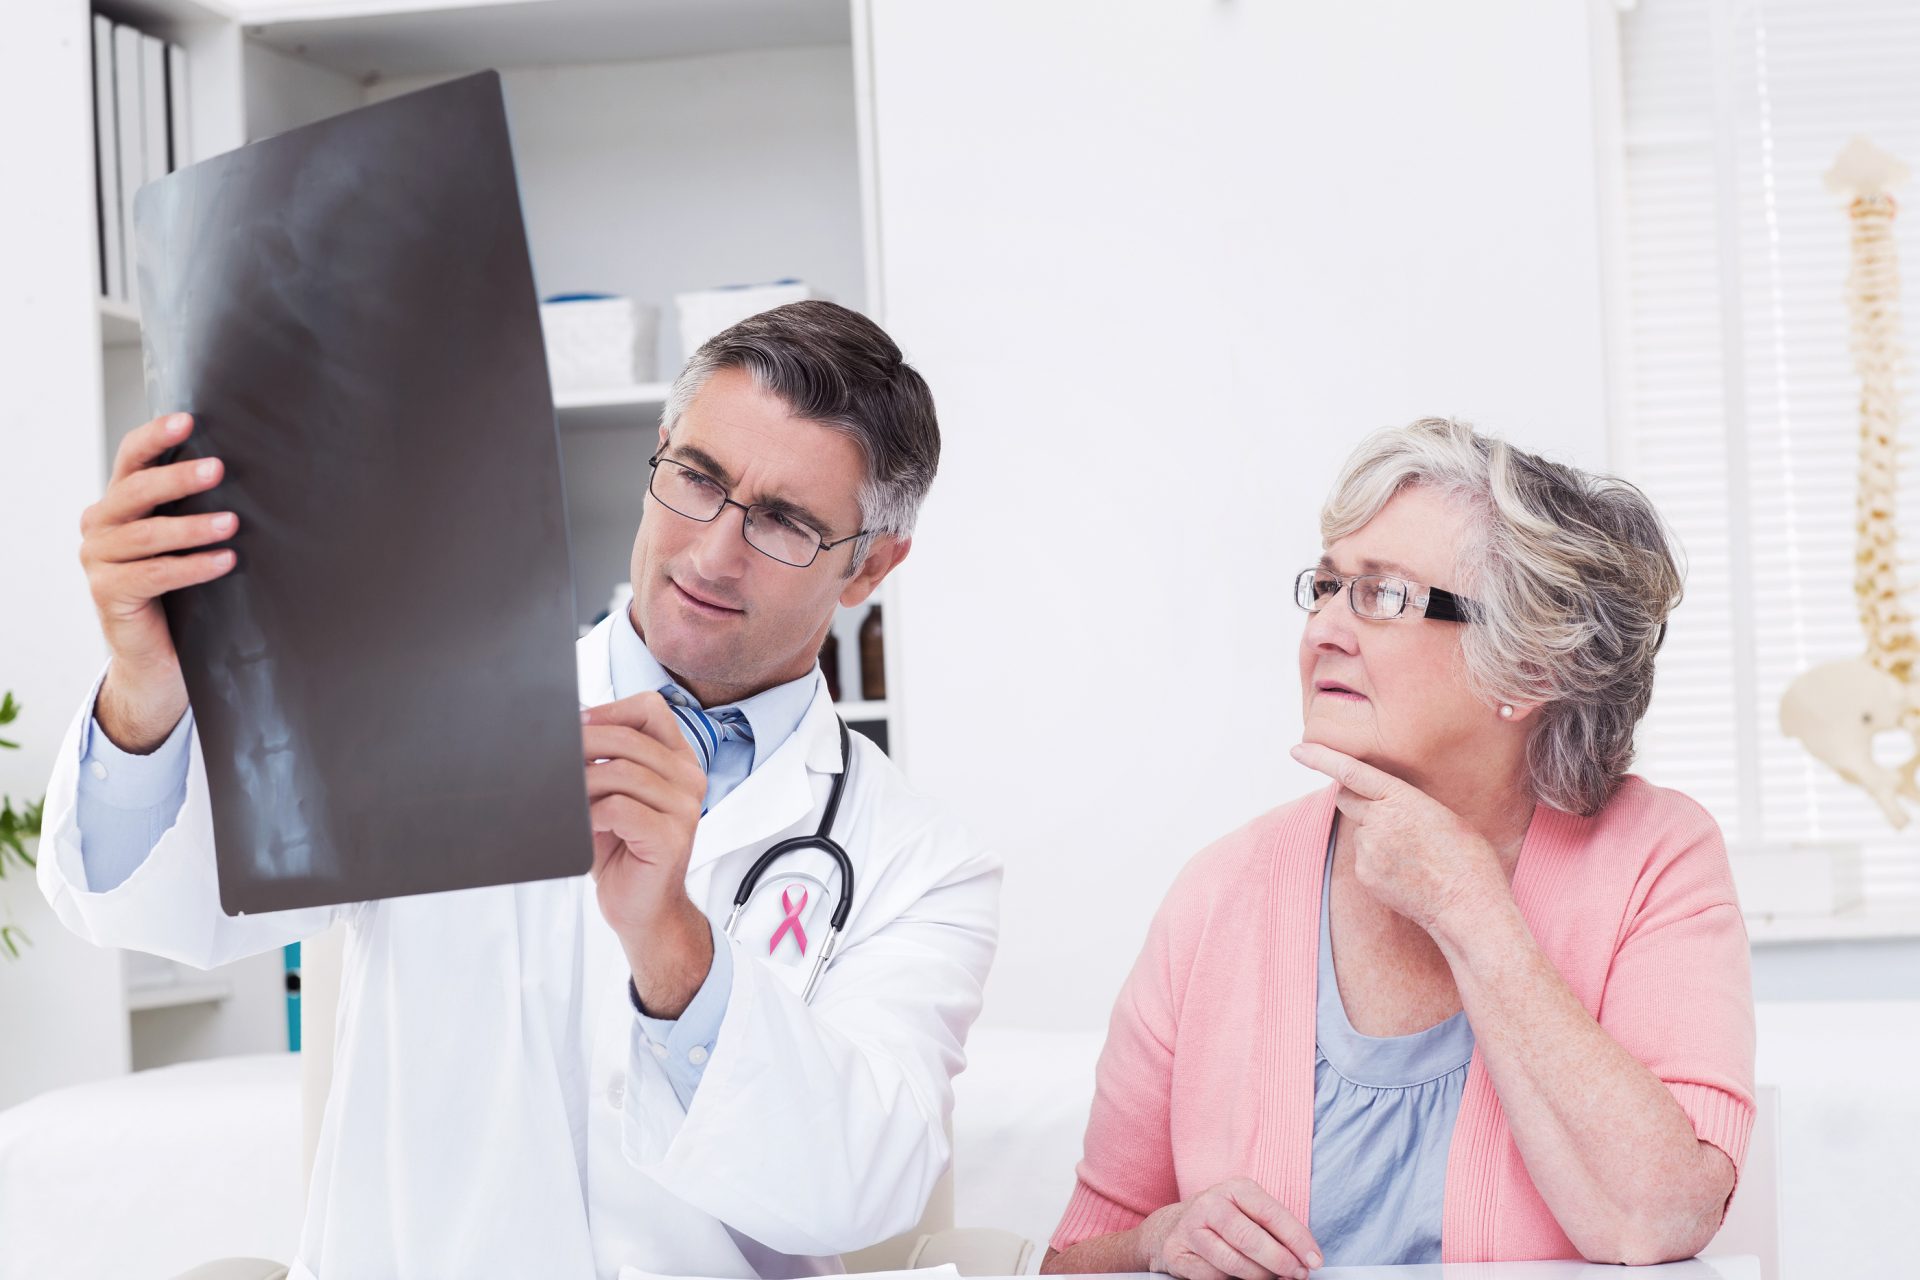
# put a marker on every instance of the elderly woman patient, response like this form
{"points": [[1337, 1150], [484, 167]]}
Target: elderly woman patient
{"points": [[1484, 997]]}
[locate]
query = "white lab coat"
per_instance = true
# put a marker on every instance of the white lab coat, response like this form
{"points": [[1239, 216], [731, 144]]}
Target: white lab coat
{"points": [[497, 1108]]}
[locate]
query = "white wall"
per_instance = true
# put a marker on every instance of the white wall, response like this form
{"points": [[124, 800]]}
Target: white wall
{"points": [[60, 1020], [1855, 969], [1219, 242]]}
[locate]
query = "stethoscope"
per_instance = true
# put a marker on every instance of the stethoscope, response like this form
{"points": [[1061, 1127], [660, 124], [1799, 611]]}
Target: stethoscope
{"points": [[821, 839]]}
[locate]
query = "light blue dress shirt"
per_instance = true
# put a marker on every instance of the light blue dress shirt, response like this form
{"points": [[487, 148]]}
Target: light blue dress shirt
{"points": [[1383, 1114], [127, 802]]}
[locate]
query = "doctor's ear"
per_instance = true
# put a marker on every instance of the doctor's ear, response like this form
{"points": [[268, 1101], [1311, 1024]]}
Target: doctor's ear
{"points": [[883, 557]]}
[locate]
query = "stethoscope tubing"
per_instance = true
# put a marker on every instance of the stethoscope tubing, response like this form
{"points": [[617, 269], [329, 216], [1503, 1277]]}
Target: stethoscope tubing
{"points": [[821, 839]]}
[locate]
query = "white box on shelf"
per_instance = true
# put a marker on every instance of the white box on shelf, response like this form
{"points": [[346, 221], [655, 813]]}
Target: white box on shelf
{"points": [[595, 341], [705, 312], [1797, 880]]}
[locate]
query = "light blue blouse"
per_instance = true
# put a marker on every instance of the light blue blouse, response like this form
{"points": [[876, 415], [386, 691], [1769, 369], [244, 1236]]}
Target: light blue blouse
{"points": [[1383, 1115]]}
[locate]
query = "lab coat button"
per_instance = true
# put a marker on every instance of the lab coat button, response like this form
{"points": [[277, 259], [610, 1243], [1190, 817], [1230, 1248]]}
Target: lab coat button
{"points": [[616, 1094], [97, 769], [697, 1055]]}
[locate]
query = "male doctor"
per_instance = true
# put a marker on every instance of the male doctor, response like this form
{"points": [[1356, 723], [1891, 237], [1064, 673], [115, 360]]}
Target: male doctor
{"points": [[568, 1077]]}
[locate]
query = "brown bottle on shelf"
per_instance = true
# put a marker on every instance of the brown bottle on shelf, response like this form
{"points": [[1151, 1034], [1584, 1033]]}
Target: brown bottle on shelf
{"points": [[830, 665], [873, 663]]}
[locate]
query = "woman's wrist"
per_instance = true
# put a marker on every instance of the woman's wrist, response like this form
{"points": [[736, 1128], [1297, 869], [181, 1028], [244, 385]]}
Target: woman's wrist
{"points": [[1134, 1249], [1473, 914], [1144, 1241], [1478, 926]]}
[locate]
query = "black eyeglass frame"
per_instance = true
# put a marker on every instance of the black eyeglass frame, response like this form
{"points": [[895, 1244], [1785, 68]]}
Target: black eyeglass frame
{"points": [[1437, 603], [727, 500]]}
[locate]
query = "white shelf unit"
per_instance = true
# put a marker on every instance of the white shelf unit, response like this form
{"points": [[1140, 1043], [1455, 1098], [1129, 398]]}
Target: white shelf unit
{"points": [[1852, 924], [640, 395], [120, 327], [585, 409], [661, 147], [119, 323], [388, 39], [143, 997]]}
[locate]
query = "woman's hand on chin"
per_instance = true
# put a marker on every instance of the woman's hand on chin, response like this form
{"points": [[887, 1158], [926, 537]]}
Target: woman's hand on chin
{"points": [[1411, 852], [1232, 1229]]}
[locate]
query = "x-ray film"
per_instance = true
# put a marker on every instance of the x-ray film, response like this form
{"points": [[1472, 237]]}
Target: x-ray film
{"points": [[384, 686]]}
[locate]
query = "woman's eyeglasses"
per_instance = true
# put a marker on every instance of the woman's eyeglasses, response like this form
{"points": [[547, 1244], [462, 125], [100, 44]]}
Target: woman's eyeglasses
{"points": [[1380, 596]]}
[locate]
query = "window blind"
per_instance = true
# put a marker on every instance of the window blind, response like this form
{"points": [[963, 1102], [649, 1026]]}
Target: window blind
{"points": [[1741, 413]]}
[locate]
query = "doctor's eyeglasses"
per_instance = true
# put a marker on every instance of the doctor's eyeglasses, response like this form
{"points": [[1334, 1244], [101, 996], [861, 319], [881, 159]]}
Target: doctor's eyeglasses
{"points": [[1379, 596], [774, 533]]}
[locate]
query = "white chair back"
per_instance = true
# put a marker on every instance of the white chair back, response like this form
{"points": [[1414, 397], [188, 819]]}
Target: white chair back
{"points": [[1753, 1220], [319, 1007]]}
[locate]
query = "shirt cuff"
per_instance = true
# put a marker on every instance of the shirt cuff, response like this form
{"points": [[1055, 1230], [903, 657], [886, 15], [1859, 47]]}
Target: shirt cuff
{"points": [[128, 781], [124, 802], [683, 1045]]}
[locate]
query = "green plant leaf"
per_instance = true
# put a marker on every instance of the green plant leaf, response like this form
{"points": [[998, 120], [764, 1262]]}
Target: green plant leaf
{"points": [[12, 938], [16, 828]]}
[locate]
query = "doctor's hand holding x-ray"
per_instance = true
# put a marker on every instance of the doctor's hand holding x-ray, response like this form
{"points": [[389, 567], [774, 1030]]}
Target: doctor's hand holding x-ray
{"points": [[575, 1076], [132, 558], [645, 784]]}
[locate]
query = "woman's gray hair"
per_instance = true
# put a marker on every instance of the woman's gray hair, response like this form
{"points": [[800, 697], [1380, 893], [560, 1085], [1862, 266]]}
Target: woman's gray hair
{"points": [[838, 368], [1573, 575]]}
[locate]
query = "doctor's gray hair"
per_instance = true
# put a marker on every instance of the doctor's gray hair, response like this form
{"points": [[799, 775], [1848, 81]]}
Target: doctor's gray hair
{"points": [[1574, 575], [838, 368]]}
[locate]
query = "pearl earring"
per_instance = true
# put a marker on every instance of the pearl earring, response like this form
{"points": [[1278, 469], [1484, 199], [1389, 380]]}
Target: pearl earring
{"points": [[1506, 711]]}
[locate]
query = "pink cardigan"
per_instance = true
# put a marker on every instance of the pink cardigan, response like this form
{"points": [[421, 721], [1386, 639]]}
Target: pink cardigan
{"points": [[1207, 1073]]}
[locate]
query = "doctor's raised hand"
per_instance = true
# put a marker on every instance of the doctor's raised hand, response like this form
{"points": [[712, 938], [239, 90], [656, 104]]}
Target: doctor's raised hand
{"points": [[645, 789], [132, 558]]}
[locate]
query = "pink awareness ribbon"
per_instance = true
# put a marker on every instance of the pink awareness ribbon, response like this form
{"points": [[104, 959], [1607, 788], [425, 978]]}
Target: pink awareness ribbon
{"points": [[793, 910]]}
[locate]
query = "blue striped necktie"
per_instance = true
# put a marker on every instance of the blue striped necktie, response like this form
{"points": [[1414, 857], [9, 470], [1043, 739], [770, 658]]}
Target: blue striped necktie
{"points": [[706, 732]]}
